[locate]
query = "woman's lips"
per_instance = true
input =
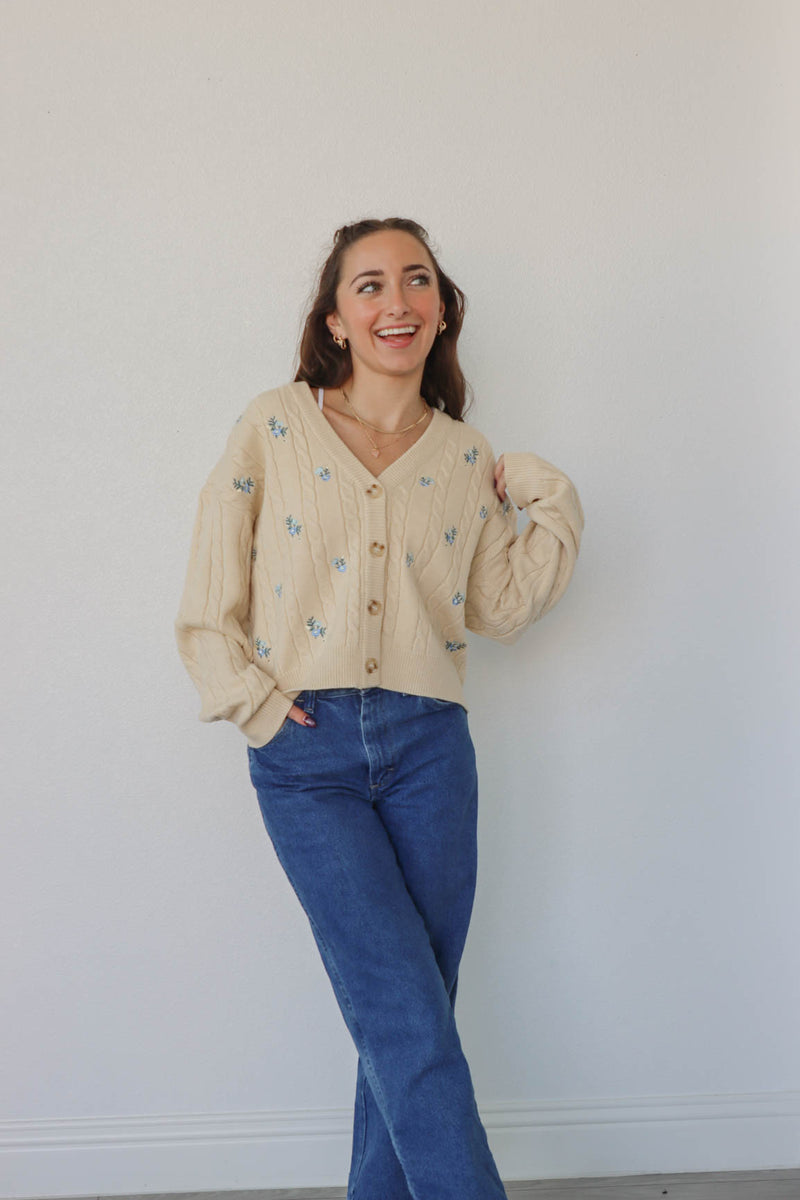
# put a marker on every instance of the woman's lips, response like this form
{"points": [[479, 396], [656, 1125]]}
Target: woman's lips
{"points": [[397, 340]]}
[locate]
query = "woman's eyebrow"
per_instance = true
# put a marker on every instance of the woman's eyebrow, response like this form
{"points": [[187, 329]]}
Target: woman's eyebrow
{"points": [[413, 267]]}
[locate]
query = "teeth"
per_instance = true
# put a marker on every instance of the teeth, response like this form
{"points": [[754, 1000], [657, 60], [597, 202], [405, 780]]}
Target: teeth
{"points": [[395, 332]]}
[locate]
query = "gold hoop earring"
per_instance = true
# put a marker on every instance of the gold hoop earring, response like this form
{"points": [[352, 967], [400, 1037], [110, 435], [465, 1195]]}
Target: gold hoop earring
{"points": [[442, 326], [340, 341]]}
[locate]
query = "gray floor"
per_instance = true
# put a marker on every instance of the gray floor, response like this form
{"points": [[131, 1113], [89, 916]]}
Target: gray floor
{"points": [[730, 1185]]}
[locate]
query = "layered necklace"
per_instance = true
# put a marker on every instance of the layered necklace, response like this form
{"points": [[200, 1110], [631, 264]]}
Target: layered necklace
{"points": [[398, 433]]}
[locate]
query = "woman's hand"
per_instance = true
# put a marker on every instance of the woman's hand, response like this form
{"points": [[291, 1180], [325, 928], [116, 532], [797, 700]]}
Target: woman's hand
{"points": [[500, 478], [296, 713]]}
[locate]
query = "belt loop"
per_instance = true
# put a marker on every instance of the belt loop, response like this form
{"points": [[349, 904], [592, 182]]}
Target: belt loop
{"points": [[308, 703]]}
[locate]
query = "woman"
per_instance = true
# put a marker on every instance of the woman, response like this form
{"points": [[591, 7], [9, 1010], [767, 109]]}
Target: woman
{"points": [[353, 529]]}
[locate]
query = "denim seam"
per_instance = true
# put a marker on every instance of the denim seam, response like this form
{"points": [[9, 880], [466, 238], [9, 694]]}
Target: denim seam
{"points": [[356, 1170], [364, 742]]}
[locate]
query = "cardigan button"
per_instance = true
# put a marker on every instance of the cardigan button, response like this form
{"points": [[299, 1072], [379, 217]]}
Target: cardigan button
{"points": [[371, 664], [377, 548], [374, 489], [374, 607]]}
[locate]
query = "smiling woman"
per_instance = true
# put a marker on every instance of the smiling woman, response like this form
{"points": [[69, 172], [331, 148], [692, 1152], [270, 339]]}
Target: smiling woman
{"points": [[353, 530], [390, 314], [382, 277]]}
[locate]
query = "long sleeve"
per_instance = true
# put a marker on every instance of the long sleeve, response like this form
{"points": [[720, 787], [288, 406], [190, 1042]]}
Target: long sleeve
{"points": [[212, 625], [515, 579]]}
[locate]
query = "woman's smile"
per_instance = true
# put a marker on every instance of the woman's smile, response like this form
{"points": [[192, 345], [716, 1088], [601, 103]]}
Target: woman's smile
{"points": [[397, 336]]}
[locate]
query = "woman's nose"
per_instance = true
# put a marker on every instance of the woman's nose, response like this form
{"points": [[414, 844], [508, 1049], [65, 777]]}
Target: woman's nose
{"points": [[396, 299]]}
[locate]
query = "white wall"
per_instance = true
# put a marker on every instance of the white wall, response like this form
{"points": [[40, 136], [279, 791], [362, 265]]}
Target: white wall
{"points": [[616, 187]]}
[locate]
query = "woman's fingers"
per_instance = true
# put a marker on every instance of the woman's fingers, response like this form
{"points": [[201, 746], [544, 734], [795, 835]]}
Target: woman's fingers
{"points": [[296, 713], [500, 478]]}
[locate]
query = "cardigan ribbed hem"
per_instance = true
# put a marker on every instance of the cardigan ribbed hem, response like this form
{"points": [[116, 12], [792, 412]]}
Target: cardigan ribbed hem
{"points": [[397, 671]]}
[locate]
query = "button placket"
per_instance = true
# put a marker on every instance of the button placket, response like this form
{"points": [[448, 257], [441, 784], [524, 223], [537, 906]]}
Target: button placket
{"points": [[375, 576]]}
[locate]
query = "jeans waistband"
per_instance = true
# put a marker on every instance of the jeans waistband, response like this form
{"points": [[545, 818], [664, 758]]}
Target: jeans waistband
{"points": [[306, 698]]}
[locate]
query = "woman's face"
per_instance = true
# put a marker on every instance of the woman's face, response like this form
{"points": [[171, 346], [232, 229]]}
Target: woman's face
{"points": [[387, 283]]}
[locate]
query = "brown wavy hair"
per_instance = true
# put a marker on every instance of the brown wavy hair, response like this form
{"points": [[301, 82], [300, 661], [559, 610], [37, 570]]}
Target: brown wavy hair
{"points": [[323, 364]]}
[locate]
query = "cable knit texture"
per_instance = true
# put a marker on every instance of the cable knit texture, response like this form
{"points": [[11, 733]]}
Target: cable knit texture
{"points": [[307, 572]]}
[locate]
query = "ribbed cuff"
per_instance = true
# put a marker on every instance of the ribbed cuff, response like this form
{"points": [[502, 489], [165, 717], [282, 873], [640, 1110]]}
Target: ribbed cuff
{"points": [[529, 477], [267, 720]]}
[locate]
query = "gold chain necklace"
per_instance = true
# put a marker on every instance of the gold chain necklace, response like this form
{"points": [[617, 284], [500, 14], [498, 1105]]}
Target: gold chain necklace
{"points": [[375, 448]]}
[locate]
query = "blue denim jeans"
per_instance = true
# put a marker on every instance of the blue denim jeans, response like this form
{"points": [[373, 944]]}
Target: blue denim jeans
{"points": [[373, 816]]}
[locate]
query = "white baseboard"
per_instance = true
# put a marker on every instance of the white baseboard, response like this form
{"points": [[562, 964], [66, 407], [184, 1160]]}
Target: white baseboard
{"points": [[94, 1156]]}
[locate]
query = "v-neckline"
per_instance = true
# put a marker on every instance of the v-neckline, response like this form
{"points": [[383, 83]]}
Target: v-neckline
{"points": [[350, 460]]}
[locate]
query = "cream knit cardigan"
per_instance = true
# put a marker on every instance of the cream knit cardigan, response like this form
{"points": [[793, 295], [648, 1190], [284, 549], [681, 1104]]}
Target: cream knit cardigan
{"points": [[308, 572]]}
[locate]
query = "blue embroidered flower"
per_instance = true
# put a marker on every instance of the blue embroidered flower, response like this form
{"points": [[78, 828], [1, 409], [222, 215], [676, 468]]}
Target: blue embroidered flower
{"points": [[426, 480], [483, 514], [450, 535], [278, 589], [253, 554], [506, 506], [471, 456], [262, 649], [293, 526], [409, 559], [315, 629], [244, 485], [278, 430], [339, 563], [453, 646], [458, 598], [323, 472]]}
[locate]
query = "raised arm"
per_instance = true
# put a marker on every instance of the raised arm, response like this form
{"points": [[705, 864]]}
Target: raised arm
{"points": [[515, 579]]}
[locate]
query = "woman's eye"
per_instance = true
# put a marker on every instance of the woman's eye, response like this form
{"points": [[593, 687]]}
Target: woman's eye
{"points": [[372, 285]]}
